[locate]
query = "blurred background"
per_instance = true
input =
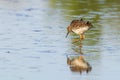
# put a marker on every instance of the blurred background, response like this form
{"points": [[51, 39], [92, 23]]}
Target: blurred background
{"points": [[33, 44]]}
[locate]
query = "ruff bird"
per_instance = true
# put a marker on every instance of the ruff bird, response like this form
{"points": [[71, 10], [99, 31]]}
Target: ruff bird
{"points": [[79, 27]]}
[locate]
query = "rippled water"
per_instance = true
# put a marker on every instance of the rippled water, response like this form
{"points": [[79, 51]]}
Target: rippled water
{"points": [[33, 44]]}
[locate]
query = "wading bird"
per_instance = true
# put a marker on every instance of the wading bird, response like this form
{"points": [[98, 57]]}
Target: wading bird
{"points": [[79, 27]]}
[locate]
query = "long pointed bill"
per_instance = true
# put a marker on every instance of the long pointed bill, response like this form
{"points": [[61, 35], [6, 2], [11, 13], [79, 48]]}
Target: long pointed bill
{"points": [[67, 34]]}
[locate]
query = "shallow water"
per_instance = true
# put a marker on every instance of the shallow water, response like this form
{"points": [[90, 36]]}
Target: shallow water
{"points": [[33, 44]]}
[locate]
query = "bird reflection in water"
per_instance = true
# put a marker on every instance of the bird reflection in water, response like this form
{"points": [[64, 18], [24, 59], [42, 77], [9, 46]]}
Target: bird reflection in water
{"points": [[78, 64]]}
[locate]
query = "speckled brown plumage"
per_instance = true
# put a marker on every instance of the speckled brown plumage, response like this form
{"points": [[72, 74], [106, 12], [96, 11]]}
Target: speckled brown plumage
{"points": [[79, 27]]}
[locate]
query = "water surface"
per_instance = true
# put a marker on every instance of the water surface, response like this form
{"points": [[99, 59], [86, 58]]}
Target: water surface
{"points": [[33, 44]]}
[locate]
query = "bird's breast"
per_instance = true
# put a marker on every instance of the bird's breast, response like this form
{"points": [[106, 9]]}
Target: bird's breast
{"points": [[80, 30]]}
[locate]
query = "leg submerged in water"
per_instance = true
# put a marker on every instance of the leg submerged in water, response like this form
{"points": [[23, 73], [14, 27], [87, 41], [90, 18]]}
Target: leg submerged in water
{"points": [[82, 36]]}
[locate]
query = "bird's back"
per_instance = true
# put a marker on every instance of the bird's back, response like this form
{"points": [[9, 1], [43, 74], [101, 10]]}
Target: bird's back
{"points": [[80, 26]]}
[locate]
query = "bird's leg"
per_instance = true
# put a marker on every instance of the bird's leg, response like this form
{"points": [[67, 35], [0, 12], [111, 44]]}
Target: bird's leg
{"points": [[82, 36]]}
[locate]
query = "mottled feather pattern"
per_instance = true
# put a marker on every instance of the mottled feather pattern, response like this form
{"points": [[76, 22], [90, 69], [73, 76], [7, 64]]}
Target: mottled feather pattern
{"points": [[79, 26]]}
